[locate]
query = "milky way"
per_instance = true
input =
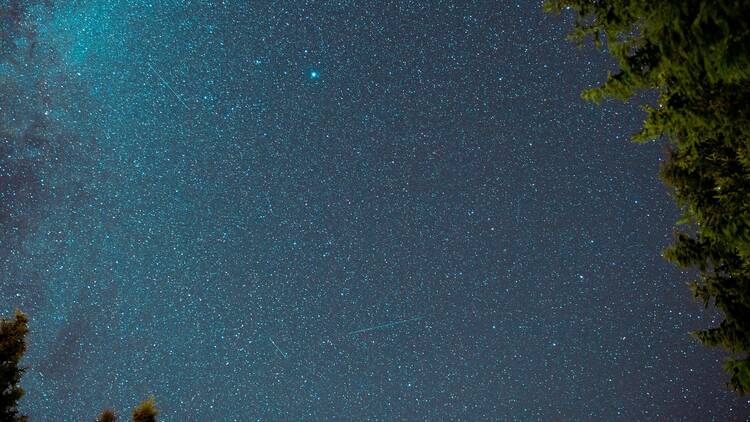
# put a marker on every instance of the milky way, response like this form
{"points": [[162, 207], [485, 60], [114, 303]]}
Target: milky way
{"points": [[304, 210]]}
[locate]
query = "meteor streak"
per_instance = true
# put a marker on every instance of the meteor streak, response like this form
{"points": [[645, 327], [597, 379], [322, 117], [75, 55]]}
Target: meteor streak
{"points": [[278, 348], [386, 325], [164, 81]]}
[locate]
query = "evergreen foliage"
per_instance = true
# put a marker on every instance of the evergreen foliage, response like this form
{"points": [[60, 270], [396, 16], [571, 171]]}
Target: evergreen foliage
{"points": [[12, 347], [107, 416], [696, 55], [146, 411]]}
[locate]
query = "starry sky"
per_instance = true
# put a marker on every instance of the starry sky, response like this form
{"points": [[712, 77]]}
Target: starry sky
{"points": [[335, 210]]}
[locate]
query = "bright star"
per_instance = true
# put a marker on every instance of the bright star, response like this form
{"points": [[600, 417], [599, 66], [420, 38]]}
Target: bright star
{"points": [[314, 74]]}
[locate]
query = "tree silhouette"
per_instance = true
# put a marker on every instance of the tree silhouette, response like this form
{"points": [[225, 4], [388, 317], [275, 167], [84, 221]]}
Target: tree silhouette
{"points": [[12, 347], [696, 56], [146, 411], [107, 416]]}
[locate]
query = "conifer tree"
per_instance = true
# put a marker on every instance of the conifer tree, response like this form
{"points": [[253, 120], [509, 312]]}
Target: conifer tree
{"points": [[107, 416], [696, 55], [146, 411], [12, 347]]}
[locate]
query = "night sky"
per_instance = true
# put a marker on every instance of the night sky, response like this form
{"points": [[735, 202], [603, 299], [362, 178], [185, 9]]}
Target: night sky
{"points": [[349, 210]]}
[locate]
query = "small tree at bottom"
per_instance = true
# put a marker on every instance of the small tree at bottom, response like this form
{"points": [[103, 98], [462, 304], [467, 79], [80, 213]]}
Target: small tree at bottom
{"points": [[146, 411], [12, 347], [107, 416]]}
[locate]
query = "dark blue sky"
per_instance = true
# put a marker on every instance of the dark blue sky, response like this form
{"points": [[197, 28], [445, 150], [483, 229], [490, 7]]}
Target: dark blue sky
{"points": [[213, 202]]}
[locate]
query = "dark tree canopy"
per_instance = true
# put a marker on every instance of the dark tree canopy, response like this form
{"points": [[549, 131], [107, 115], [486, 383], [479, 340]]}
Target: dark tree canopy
{"points": [[12, 347], [146, 411], [696, 56], [107, 416]]}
